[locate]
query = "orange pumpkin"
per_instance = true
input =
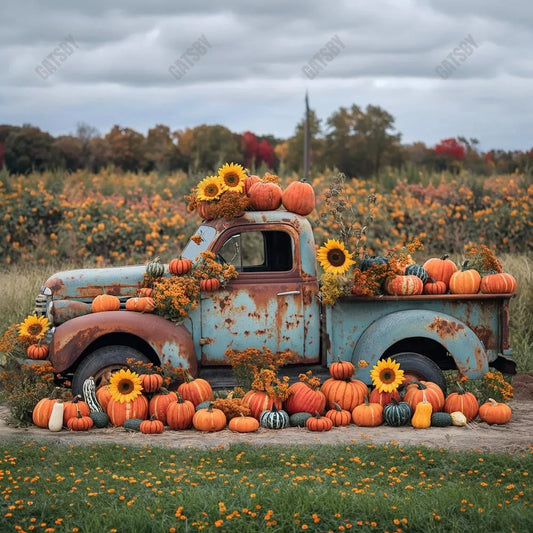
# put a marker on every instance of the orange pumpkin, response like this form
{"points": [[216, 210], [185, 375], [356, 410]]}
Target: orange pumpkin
{"points": [[157, 407], [120, 412], [305, 399], [299, 198], [42, 411], [141, 304], [414, 394], [211, 284], [152, 426], [105, 302], [103, 395], [462, 401], [259, 401], [195, 390], [180, 413], [37, 351], [249, 181], [384, 398], [493, 412], [179, 266], [210, 419], [341, 369], [368, 414], [348, 393], [265, 196], [207, 210], [435, 287], [318, 423], [465, 282], [145, 291], [151, 382], [80, 422], [502, 283], [73, 407], [404, 285], [339, 416], [243, 424], [440, 269]]}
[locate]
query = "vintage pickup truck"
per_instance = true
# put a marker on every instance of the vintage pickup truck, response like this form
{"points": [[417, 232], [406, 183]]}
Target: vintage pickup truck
{"points": [[274, 302]]}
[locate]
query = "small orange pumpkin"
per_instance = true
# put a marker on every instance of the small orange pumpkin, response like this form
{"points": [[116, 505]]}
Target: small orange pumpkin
{"points": [[103, 395], [158, 405], [435, 287], [318, 423], [259, 401], [341, 369], [196, 390], [209, 419], [465, 282], [207, 210], [152, 426], [145, 291], [265, 196], [105, 302], [243, 424], [37, 351], [72, 408], [339, 416], [404, 285], [493, 412], [211, 284], [80, 422], [440, 269], [368, 414], [384, 398], [501, 283], [299, 198], [151, 382], [141, 304], [179, 267], [462, 401], [249, 181]]}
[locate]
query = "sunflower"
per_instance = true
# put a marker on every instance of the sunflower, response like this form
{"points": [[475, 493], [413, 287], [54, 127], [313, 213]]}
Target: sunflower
{"points": [[386, 375], [334, 258], [233, 176], [34, 326], [210, 188], [125, 386]]}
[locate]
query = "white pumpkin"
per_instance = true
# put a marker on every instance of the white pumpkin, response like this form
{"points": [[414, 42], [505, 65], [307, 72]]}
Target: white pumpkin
{"points": [[458, 418], [56, 418]]}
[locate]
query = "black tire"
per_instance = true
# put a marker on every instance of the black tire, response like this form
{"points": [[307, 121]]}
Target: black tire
{"points": [[102, 362], [422, 367]]}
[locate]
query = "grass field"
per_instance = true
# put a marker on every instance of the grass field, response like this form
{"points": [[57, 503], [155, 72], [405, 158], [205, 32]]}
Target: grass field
{"points": [[243, 488]]}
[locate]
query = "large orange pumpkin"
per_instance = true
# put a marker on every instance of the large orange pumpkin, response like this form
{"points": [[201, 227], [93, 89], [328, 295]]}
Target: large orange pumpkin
{"points": [[120, 412], [348, 393], [42, 411], [417, 390], [265, 196], [502, 283], [180, 413], [210, 419], [440, 269], [157, 407], [105, 302], [195, 390], [259, 401], [404, 285], [462, 401], [384, 398], [465, 282], [305, 399], [141, 304], [493, 412], [299, 198]]}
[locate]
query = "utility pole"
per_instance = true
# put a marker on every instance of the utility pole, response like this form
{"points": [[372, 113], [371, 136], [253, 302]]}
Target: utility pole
{"points": [[306, 139]]}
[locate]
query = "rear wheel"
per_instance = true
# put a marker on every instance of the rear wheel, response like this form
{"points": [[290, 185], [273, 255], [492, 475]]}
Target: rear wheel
{"points": [[419, 367], [101, 363]]}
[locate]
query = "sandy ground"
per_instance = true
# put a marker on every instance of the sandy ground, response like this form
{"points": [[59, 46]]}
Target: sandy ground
{"points": [[512, 437]]}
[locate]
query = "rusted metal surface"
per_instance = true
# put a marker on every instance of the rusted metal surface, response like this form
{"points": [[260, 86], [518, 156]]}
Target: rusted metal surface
{"points": [[63, 310], [445, 328], [170, 342]]}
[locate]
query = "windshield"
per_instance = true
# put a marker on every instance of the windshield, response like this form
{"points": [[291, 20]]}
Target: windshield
{"points": [[198, 243]]}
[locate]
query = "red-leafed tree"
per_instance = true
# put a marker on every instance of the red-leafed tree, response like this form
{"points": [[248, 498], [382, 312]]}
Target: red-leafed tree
{"points": [[250, 146], [451, 148], [265, 153]]}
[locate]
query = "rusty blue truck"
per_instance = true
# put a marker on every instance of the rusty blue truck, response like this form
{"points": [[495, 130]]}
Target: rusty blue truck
{"points": [[275, 303]]}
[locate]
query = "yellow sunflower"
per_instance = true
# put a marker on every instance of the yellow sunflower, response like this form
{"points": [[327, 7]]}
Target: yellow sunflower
{"points": [[125, 386], [334, 258], [34, 326], [209, 189], [386, 375], [233, 176]]}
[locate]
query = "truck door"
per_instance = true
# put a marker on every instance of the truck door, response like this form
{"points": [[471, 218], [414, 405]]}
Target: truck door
{"points": [[264, 306]]}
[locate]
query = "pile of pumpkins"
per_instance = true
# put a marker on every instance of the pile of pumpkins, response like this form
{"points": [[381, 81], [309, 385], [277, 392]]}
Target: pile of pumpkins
{"points": [[440, 276], [341, 400]]}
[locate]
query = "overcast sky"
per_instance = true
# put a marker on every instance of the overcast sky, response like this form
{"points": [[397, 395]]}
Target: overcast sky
{"points": [[442, 69]]}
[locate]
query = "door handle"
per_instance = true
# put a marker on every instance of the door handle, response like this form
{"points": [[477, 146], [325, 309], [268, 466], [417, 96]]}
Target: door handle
{"points": [[287, 293]]}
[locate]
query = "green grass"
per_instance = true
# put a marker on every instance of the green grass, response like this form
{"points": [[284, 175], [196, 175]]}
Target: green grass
{"points": [[245, 488]]}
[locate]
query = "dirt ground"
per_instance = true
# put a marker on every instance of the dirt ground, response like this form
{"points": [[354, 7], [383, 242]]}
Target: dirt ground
{"points": [[513, 437]]}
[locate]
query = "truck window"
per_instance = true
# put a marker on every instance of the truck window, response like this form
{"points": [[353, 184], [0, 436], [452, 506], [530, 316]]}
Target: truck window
{"points": [[259, 251], [194, 248]]}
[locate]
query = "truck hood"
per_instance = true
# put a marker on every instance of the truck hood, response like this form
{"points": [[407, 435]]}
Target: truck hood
{"points": [[85, 284]]}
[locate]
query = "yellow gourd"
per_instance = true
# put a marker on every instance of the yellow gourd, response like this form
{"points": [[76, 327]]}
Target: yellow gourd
{"points": [[422, 417]]}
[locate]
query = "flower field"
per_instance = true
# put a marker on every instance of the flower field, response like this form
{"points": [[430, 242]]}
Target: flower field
{"points": [[356, 487], [111, 218]]}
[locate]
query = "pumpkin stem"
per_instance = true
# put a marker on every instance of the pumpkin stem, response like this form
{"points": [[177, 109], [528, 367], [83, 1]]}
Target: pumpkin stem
{"points": [[337, 407], [317, 415]]}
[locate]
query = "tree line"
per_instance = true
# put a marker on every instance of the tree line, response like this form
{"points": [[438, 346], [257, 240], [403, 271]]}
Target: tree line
{"points": [[359, 142]]}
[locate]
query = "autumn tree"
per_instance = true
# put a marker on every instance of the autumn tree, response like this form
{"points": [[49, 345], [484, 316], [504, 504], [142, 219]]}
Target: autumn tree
{"points": [[126, 147]]}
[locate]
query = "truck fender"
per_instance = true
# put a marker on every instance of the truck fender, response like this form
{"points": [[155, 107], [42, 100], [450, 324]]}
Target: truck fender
{"points": [[170, 342], [454, 335]]}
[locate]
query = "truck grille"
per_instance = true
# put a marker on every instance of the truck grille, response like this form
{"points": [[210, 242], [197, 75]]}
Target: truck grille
{"points": [[40, 304]]}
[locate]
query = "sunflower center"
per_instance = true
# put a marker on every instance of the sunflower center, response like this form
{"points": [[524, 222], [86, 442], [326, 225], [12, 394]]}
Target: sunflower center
{"points": [[336, 257], [211, 191], [387, 376], [231, 179], [125, 386], [35, 329]]}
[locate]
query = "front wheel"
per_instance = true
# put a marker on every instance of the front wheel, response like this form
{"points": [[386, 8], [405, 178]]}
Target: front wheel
{"points": [[420, 367], [101, 363]]}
